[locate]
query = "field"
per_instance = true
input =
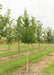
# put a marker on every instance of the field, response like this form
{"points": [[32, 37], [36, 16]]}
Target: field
{"points": [[14, 62]]}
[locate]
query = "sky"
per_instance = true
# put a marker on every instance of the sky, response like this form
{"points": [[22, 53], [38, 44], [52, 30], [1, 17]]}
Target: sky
{"points": [[43, 10]]}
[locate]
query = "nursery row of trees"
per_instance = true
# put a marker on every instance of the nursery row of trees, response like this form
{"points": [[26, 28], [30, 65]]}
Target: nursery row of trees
{"points": [[25, 29]]}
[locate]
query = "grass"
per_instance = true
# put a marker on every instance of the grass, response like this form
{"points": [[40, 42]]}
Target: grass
{"points": [[39, 55], [15, 46], [7, 67], [50, 70], [14, 53]]}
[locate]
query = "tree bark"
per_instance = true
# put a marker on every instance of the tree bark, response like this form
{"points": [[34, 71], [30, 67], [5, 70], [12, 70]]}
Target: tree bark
{"points": [[48, 44], [8, 47], [39, 46], [32, 46], [51, 44], [28, 58], [18, 47], [44, 45]]}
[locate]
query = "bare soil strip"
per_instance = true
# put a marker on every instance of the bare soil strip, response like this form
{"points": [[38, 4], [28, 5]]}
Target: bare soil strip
{"points": [[37, 68], [19, 55]]}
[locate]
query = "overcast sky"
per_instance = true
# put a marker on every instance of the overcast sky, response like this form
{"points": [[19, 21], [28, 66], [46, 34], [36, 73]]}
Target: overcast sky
{"points": [[42, 9]]}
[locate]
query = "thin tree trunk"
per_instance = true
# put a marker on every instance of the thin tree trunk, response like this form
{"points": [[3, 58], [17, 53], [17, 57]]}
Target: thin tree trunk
{"points": [[48, 44], [18, 46], [32, 46], [44, 45], [39, 46], [27, 58], [51, 44], [8, 47]]}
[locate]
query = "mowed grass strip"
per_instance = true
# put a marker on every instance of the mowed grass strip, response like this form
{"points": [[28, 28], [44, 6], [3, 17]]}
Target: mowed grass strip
{"points": [[6, 68]]}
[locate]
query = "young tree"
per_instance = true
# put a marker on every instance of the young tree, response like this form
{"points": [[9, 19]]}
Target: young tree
{"points": [[0, 6], [0, 20], [33, 27], [8, 28], [39, 32], [8, 35], [18, 30], [3, 22], [44, 35], [53, 36], [49, 35], [28, 34]]}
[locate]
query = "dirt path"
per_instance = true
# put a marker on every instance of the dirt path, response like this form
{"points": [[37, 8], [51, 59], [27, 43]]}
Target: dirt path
{"points": [[19, 55], [38, 68]]}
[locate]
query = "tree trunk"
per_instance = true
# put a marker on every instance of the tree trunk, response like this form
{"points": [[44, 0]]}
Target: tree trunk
{"points": [[48, 44], [32, 46], [27, 58], [8, 47], [39, 46], [18, 47], [51, 44], [44, 45]]}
